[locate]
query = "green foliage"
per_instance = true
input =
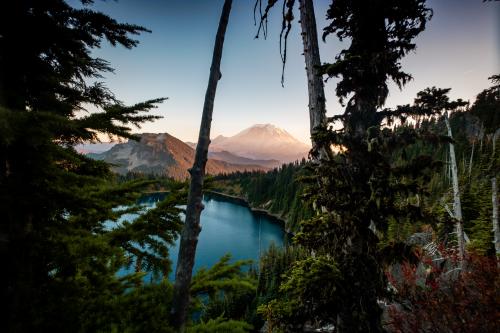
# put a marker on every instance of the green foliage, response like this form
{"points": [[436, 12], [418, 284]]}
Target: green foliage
{"points": [[273, 266], [153, 232], [477, 210], [310, 294], [222, 288], [222, 277], [476, 160], [361, 186], [358, 190], [279, 191], [221, 325], [62, 253], [487, 106], [381, 33], [145, 308], [64, 236]]}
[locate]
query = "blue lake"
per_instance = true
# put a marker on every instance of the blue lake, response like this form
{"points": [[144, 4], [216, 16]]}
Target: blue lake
{"points": [[228, 228]]}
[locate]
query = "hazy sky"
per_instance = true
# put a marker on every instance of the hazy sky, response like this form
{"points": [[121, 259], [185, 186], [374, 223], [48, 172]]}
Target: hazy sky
{"points": [[459, 49]]}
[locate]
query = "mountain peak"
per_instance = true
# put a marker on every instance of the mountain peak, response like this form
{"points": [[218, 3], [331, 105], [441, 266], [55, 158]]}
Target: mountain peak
{"points": [[266, 132], [262, 141], [162, 153]]}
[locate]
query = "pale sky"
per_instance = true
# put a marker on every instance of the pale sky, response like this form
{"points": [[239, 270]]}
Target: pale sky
{"points": [[458, 50]]}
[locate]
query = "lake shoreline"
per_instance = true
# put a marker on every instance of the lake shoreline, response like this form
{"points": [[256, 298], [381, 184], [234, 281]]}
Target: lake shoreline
{"points": [[237, 200], [243, 202]]}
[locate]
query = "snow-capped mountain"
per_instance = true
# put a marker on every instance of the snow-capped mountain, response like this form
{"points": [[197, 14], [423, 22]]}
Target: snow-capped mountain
{"points": [[163, 154], [262, 141]]}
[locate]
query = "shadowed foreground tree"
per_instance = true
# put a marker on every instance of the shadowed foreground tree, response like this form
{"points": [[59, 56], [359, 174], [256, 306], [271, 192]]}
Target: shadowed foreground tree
{"points": [[60, 254], [362, 187], [66, 234], [191, 230]]}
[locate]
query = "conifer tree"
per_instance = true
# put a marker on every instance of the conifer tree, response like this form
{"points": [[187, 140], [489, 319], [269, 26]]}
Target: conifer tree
{"points": [[437, 100], [61, 253], [361, 188], [487, 108]]}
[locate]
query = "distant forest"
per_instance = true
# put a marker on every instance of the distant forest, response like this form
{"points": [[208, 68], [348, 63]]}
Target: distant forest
{"points": [[283, 191]]}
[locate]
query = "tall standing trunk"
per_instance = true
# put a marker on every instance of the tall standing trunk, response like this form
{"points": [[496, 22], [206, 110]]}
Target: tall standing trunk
{"points": [[317, 108], [471, 158], [494, 201], [191, 230], [457, 206], [494, 198]]}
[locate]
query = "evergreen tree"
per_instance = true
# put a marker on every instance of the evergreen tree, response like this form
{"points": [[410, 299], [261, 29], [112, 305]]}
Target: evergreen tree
{"points": [[360, 189], [487, 106], [437, 100], [60, 250]]}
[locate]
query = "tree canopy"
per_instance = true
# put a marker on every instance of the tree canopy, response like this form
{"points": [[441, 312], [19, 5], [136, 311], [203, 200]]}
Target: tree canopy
{"points": [[61, 250]]}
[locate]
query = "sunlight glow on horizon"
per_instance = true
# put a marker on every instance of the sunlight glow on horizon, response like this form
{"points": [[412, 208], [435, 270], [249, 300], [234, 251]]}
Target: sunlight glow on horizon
{"points": [[458, 50]]}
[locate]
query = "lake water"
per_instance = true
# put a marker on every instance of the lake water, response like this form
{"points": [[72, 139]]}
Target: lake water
{"points": [[228, 228]]}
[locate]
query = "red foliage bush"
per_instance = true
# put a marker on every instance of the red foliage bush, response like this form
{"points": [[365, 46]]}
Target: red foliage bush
{"points": [[438, 296]]}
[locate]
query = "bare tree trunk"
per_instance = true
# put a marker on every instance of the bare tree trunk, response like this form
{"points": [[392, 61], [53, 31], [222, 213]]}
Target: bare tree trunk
{"points": [[191, 230], [449, 171], [457, 206], [463, 163], [495, 136], [481, 136], [494, 198], [317, 108], [494, 201], [471, 158]]}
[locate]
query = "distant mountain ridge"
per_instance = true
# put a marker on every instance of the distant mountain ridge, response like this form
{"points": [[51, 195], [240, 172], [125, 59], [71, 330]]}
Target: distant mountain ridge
{"points": [[96, 148], [235, 159], [259, 147], [162, 154]]}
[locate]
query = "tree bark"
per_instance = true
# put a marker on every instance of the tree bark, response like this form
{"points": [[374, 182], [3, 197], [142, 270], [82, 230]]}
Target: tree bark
{"points": [[494, 201], [494, 198], [495, 136], [191, 230], [317, 108], [457, 206], [471, 158]]}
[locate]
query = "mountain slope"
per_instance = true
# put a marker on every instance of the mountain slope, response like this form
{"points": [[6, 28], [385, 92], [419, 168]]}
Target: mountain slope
{"points": [[162, 154], [94, 148], [262, 141], [235, 159]]}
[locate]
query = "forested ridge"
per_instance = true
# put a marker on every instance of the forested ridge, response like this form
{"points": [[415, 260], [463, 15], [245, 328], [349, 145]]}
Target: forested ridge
{"points": [[282, 191], [394, 215], [475, 154], [279, 191]]}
